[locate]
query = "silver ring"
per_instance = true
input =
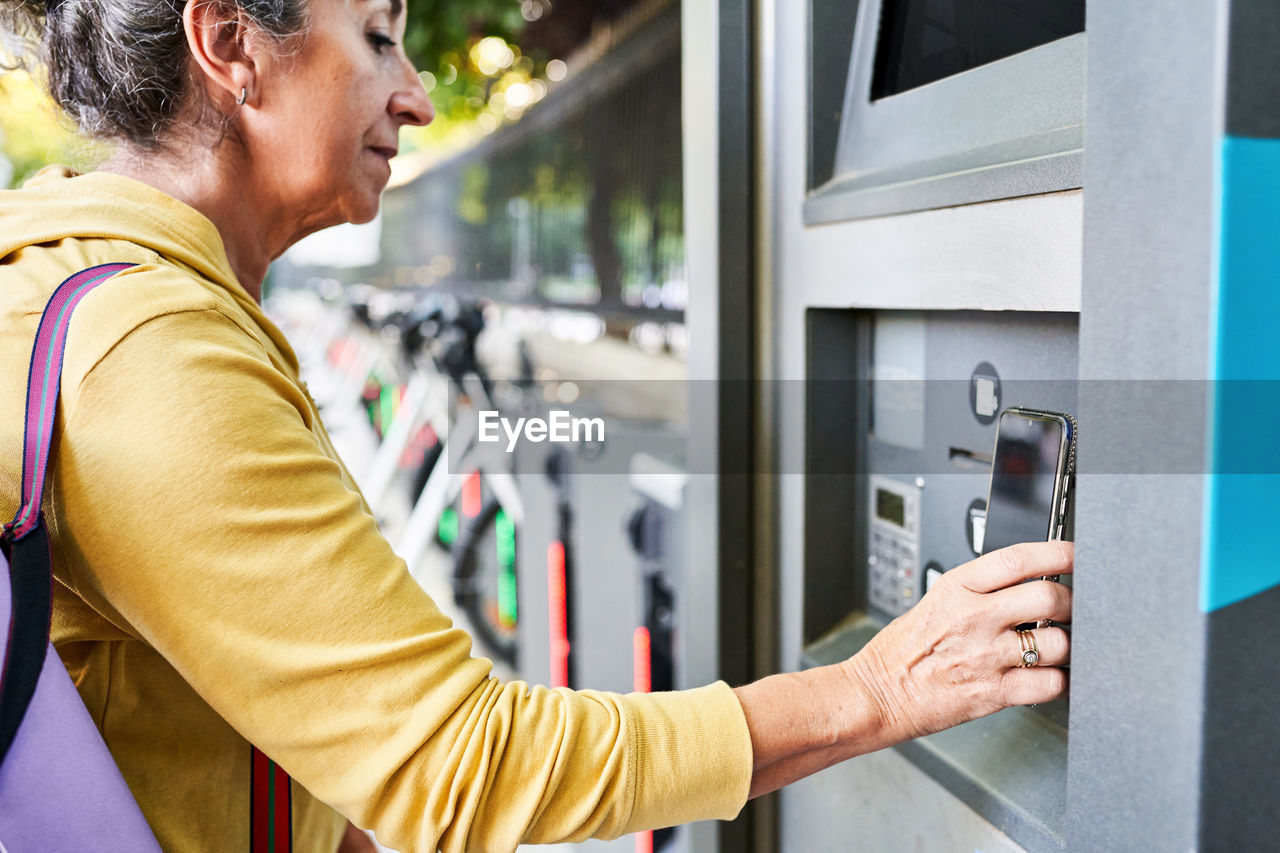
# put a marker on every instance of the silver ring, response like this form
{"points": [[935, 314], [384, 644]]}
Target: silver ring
{"points": [[1027, 643], [244, 96]]}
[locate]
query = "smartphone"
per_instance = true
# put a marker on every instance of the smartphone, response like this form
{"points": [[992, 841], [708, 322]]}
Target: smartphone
{"points": [[1031, 473]]}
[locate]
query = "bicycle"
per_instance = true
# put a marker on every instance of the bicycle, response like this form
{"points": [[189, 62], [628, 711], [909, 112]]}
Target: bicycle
{"points": [[469, 496], [464, 495]]}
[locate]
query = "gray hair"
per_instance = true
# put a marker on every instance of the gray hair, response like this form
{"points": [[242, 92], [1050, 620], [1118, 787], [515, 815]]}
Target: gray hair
{"points": [[121, 68]]}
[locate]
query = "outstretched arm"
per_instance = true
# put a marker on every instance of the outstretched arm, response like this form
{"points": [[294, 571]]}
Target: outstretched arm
{"points": [[215, 529]]}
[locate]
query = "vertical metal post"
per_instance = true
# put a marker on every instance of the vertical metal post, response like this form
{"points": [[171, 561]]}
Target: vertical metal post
{"points": [[720, 172], [1240, 577], [1173, 736]]}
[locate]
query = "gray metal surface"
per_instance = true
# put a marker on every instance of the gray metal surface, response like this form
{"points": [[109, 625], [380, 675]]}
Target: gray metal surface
{"points": [[1023, 95], [830, 50], [1009, 128], [1155, 110], [1253, 69], [882, 803], [719, 158], [1241, 749], [1041, 164], [764, 521], [700, 106]]}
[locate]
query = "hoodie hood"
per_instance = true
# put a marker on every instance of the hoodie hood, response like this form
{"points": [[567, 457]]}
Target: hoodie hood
{"points": [[58, 204]]}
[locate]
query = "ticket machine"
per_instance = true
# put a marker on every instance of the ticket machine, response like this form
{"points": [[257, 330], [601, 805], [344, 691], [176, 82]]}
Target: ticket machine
{"points": [[932, 255], [961, 207]]}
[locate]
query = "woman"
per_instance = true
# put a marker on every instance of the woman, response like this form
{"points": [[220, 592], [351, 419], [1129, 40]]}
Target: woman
{"points": [[221, 581]]}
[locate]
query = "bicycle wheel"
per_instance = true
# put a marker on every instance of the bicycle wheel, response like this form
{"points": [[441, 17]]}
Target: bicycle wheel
{"points": [[484, 579]]}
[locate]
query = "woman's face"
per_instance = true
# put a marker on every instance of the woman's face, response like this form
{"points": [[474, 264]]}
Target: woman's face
{"points": [[327, 116]]}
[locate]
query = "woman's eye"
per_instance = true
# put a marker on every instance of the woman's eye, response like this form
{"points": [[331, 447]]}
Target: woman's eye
{"points": [[380, 42]]}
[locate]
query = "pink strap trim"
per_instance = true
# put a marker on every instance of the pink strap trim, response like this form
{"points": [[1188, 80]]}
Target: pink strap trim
{"points": [[43, 382]]}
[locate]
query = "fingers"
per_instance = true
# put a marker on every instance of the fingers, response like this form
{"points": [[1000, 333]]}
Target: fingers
{"points": [[1034, 685], [1044, 681], [1032, 602], [1016, 563], [958, 647], [1053, 644]]}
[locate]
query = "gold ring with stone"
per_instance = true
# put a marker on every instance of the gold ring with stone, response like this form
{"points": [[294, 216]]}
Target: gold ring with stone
{"points": [[1027, 643]]}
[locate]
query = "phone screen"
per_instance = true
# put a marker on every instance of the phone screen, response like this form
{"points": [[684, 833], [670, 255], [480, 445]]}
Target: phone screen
{"points": [[1023, 474]]}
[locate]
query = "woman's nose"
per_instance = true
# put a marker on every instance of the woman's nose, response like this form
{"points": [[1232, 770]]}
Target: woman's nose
{"points": [[411, 104]]}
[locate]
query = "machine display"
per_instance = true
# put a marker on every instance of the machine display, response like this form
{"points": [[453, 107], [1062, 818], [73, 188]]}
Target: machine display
{"points": [[891, 507], [922, 41]]}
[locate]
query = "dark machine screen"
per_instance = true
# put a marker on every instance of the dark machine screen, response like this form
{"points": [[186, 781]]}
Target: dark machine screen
{"points": [[922, 41], [891, 507], [1022, 478]]}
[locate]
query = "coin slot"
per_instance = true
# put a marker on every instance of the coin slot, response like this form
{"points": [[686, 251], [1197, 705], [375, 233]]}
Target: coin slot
{"points": [[966, 458]]}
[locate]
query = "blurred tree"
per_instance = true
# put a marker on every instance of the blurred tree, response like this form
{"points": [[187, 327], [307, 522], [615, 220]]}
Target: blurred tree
{"points": [[468, 50], [35, 133], [473, 56], [563, 26], [447, 40], [438, 29]]}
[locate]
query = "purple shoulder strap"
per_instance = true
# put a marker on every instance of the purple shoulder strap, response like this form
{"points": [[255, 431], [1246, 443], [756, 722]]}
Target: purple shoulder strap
{"points": [[31, 578], [43, 382], [59, 787]]}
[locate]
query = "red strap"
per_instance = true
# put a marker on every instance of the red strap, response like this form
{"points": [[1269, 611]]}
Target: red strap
{"points": [[271, 822]]}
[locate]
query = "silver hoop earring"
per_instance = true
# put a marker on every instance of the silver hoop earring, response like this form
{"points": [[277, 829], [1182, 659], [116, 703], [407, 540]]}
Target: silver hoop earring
{"points": [[244, 95]]}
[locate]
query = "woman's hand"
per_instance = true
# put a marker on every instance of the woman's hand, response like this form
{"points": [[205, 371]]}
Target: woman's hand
{"points": [[953, 657]]}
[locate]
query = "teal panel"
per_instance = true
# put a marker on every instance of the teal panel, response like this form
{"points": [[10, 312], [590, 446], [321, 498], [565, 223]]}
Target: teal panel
{"points": [[1242, 498]]}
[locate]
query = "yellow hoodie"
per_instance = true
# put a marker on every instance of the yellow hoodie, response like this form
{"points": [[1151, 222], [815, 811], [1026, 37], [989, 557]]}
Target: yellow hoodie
{"points": [[221, 581]]}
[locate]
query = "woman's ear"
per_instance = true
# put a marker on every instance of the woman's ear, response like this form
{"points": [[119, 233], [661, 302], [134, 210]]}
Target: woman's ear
{"points": [[222, 44]]}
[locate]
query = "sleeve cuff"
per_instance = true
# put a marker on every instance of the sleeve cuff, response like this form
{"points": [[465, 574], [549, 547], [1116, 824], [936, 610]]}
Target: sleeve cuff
{"points": [[692, 757]]}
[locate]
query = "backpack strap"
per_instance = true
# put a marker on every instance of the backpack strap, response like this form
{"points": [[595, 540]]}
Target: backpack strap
{"points": [[25, 540]]}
